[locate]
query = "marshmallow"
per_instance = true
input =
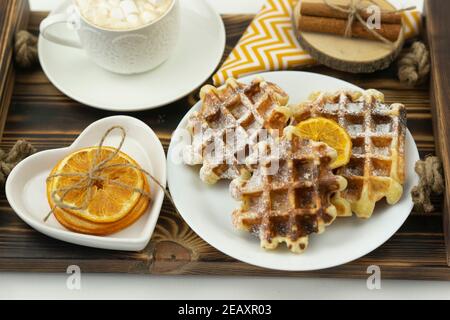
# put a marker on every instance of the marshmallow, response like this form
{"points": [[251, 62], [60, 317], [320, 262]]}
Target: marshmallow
{"points": [[117, 13], [122, 14], [129, 7], [103, 6], [103, 11], [133, 19], [114, 3], [157, 2]]}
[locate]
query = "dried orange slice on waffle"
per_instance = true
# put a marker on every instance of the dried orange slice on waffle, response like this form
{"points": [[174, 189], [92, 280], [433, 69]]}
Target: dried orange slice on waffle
{"points": [[331, 133], [109, 201]]}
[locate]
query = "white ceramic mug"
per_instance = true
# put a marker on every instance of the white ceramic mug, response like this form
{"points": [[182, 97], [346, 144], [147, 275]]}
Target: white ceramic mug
{"points": [[120, 51]]}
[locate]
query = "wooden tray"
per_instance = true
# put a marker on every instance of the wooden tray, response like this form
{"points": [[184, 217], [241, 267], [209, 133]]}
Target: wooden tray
{"points": [[13, 17], [438, 32], [47, 118]]}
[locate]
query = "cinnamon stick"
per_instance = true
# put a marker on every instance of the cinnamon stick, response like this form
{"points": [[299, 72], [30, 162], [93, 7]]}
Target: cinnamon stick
{"points": [[317, 9], [338, 26]]}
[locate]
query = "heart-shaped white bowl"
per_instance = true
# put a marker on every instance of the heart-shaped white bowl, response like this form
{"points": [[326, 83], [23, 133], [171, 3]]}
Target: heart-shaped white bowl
{"points": [[26, 185]]}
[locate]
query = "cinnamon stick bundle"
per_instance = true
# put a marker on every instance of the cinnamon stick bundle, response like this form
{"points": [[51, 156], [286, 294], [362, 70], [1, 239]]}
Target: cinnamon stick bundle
{"points": [[338, 26], [319, 17], [317, 9]]}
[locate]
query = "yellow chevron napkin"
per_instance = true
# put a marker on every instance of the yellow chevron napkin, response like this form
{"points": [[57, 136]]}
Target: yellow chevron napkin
{"points": [[270, 44]]}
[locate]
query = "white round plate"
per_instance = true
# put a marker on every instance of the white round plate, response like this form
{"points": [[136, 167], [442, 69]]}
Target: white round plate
{"points": [[198, 52], [207, 209], [26, 192]]}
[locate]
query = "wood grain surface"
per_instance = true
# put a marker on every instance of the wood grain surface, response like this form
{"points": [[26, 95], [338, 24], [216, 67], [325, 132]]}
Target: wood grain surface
{"points": [[438, 31], [44, 116], [13, 17]]}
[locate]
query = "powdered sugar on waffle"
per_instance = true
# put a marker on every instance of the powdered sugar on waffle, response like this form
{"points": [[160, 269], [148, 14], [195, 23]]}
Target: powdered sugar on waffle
{"points": [[287, 203], [232, 119], [377, 130]]}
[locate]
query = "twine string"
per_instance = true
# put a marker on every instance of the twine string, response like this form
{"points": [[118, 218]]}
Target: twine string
{"points": [[353, 12], [431, 182], [25, 49], [93, 175], [8, 160], [414, 65]]}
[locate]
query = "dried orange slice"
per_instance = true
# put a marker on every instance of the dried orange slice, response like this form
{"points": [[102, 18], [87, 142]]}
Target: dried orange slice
{"points": [[331, 133], [109, 202], [77, 224]]}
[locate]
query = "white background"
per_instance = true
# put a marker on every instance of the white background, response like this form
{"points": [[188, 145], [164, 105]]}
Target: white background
{"points": [[117, 286]]}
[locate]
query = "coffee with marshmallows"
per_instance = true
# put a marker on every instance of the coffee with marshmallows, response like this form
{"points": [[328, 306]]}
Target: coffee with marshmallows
{"points": [[122, 14]]}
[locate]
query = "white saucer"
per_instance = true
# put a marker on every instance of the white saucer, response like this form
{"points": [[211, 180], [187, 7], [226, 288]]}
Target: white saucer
{"points": [[207, 209], [199, 51], [26, 187]]}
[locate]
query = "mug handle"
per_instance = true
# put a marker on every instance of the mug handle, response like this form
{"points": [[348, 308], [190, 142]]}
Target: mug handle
{"points": [[52, 20]]}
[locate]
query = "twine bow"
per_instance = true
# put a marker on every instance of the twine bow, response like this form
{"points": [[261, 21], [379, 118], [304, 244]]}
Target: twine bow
{"points": [[93, 175], [354, 7]]}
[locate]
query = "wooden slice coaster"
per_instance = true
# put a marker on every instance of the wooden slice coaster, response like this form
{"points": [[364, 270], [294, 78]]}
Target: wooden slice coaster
{"points": [[349, 54]]}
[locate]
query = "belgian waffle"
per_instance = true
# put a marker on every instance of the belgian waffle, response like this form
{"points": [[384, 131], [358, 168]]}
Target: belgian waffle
{"points": [[377, 130], [287, 195], [231, 119]]}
